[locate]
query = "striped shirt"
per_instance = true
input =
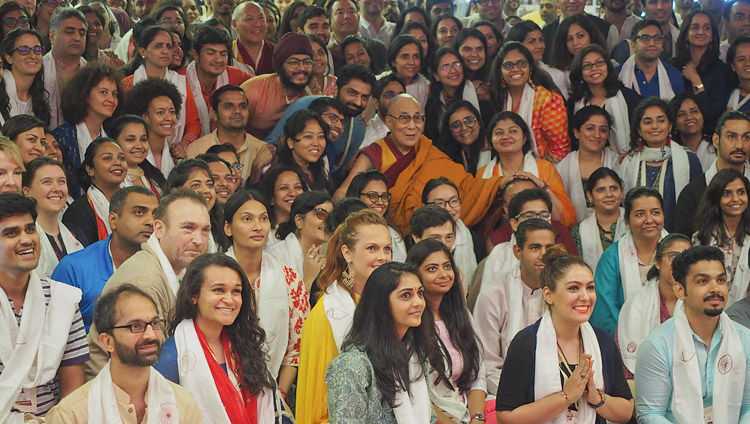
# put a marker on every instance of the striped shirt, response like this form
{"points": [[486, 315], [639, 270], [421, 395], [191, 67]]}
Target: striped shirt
{"points": [[76, 352]]}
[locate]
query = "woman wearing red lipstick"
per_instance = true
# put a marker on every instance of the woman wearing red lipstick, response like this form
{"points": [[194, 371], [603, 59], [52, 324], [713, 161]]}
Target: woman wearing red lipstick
{"points": [[562, 369], [216, 348], [277, 287]]}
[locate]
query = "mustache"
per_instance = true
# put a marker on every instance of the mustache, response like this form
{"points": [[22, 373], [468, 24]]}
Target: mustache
{"points": [[146, 343], [738, 151], [716, 296]]}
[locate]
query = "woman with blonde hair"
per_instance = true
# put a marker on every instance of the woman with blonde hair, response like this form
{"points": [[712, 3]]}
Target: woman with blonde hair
{"points": [[11, 166], [358, 246]]}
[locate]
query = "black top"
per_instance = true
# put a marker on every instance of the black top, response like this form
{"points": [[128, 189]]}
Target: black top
{"points": [[516, 386], [80, 219], [687, 206], [550, 31]]}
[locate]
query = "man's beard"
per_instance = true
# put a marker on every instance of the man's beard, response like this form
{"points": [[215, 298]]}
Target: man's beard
{"points": [[286, 80], [350, 112], [713, 312], [131, 357]]}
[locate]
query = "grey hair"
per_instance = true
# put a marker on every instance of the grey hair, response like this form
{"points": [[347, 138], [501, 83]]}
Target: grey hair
{"points": [[64, 13]]}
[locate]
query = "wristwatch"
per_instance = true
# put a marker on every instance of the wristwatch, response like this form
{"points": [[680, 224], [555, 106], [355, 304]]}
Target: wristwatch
{"points": [[478, 416], [698, 87], [604, 399]]}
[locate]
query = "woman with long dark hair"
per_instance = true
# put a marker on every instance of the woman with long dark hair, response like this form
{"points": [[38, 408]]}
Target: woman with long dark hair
{"points": [[739, 77], [530, 35], [228, 375], [574, 33], [445, 28], [723, 221], [380, 375], [303, 148], [463, 134], [690, 130], [697, 57], [131, 133], [518, 85], [358, 246], [13, 15], [277, 287], [563, 369], [472, 46], [457, 384], [100, 174], [406, 58], [290, 19], [321, 82], [594, 81], [23, 78], [421, 32], [653, 160], [280, 186], [28, 133]]}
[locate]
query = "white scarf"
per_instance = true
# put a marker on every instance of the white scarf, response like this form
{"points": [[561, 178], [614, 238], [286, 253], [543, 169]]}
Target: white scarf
{"points": [[101, 205], [547, 367], [591, 243], [628, 259], [634, 166], [339, 307], [469, 95], [415, 408], [48, 259], [180, 82], [31, 353], [273, 309], [741, 278], [84, 138], [50, 84], [160, 399], [706, 154], [713, 170], [525, 111], [398, 248], [627, 76], [167, 163], [734, 100], [619, 133], [559, 77], [200, 102], [195, 375], [570, 171], [289, 252], [498, 262], [529, 165], [17, 107], [728, 371], [463, 251], [516, 315], [639, 315], [166, 267], [419, 88]]}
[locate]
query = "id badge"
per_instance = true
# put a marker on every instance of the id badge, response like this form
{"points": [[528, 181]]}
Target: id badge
{"points": [[26, 401], [708, 415]]}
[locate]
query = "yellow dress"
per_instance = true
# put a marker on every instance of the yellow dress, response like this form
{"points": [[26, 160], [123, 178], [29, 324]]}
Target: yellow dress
{"points": [[317, 350]]}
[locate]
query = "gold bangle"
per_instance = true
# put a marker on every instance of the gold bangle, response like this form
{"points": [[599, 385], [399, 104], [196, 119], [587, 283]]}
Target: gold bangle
{"points": [[565, 396]]}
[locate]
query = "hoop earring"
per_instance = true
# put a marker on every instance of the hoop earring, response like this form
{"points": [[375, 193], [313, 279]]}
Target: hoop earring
{"points": [[347, 278]]}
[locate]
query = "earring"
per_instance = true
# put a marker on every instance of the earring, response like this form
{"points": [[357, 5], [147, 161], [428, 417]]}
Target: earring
{"points": [[347, 278], [502, 82]]}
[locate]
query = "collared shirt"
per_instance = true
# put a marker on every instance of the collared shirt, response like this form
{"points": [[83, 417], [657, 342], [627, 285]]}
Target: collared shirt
{"points": [[651, 88], [376, 129], [366, 29], [247, 153], [654, 387]]}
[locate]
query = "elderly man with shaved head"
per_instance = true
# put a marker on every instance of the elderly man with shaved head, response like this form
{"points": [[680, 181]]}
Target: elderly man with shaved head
{"points": [[250, 48], [409, 160]]}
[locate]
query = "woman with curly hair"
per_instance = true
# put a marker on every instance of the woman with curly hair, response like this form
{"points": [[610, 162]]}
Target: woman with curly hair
{"points": [[91, 97], [215, 327], [23, 80]]}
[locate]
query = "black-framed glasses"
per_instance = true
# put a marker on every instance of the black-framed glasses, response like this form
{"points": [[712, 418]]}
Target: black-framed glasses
{"points": [[521, 64], [374, 196], [468, 122], [12, 22], [335, 119], [405, 119], [453, 202], [598, 64], [320, 213], [26, 50], [140, 326], [545, 215], [646, 38], [295, 63]]}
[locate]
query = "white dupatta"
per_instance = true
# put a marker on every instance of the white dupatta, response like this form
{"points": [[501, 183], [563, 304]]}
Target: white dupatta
{"points": [[630, 276], [48, 259], [398, 247], [463, 251], [419, 88], [289, 252], [591, 243], [17, 107], [570, 172], [167, 163], [166, 267], [200, 102], [414, 406], [49, 67], [638, 316], [547, 368], [339, 307], [180, 82], [525, 111], [627, 76], [273, 309], [619, 133], [529, 165], [728, 372], [83, 137], [631, 165], [195, 375], [31, 352], [102, 401], [101, 205], [498, 262]]}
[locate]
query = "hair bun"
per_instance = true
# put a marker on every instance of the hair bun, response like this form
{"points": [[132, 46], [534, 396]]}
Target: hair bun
{"points": [[554, 252]]}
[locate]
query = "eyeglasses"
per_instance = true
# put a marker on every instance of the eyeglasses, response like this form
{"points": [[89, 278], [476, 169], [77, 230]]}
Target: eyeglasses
{"points": [[374, 196], [468, 122], [168, 21], [405, 119], [531, 214], [453, 202], [645, 38], [26, 50], [671, 255], [140, 326], [295, 63], [12, 22], [320, 213], [390, 94], [455, 65], [335, 119], [598, 64], [521, 64]]}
